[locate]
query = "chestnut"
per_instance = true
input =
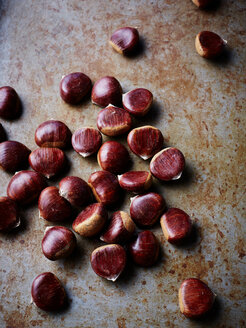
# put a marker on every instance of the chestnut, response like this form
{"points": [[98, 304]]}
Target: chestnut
{"points": [[47, 161], [108, 261], [48, 294], [86, 141], [138, 101], [10, 105], [75, 190], [120, 229], [168, 164], [144, 249], [25, 187], [74, 87], [105, 187], [3, 136], [13, 156], [113, 157], [58, 242], [106, 91], [145, 141], [135, 181], [53, 207], [209, 44], [146, 209], [176, 225], [113, 121], [202, 3], [91, 220], [53, 134], [124, 40], [195, 298], [9, 214]]}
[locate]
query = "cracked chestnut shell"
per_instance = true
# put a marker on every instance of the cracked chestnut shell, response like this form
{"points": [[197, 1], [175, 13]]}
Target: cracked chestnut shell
{"points": [[10, 105], [48, 294], [9, 214], [108, 261], [113, 121], [195, 298], [145, 141], [209, 44], [3, 136], [135, 181], [138, 101], [53, 134], [86, 141], [13, 156], [25, 187], [74, 87], [202, 3], [168, 164], [105, 91], [124, 40]]}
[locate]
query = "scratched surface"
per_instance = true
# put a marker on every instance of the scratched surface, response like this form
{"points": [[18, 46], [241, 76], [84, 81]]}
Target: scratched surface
{"points": [[200, 108]]}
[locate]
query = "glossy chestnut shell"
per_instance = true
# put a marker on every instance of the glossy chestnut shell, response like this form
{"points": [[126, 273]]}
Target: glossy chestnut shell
{"points": [[9, 214], [138, 101], [3, 136], [209, 44], [124, 40], [106, 91], [10, 105], [86, 141], [135, 181]]}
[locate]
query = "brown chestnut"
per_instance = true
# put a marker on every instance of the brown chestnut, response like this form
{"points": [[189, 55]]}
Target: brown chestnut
{"points": [[145, 141], [209, 44], [48, 294], [53, 134], [91, 220], [106, 91], [9, 214], [105, 187], [108, 261], [25, 187], [120, 229], [145, 249], [3, 136], [74, 87], [10, 106], [113, 157], [195, 298], [58, 242], [13, 156], [124, 40], [146, 209], [47, 161], [75, 190], [86, 141], [138, 101], [53, 207], [135, 181], [176, 225], [202, 3], [168, 164], [113, 121]]}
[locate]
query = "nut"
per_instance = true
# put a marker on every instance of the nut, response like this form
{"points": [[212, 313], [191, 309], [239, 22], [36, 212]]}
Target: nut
{"points": [[124, 40], [47, 161], [86, 141], [48, 294], [145, 141], [10, 106], [113, 121], [120, 229], [108, 261], [25, 187], [53, 134], [168, 164], [202, 3], [58, 242], [135, 181], [195, 298], [105, 187], [74, 87], [75, 190], [138, 101], [209, 44], [13, 156], [113, 157], [9, 214], [106, 91], [53, 207], [146, 209], [145, 249], [91, 220], [3, 136]]}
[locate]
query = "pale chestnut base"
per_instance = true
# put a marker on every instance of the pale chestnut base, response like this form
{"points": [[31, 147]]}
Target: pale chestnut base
{"points": [[164, 229], [116, 48]]}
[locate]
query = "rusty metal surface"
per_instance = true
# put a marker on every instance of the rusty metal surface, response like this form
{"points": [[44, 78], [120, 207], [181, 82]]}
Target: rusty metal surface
{"points": [[200, 108]]}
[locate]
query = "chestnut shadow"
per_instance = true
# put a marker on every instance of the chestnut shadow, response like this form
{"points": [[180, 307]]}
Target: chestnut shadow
{"points": [[227, 57], [152, 117], [77, 257], [138, 50], [213, 6], [129, 272], [64, 172], [215, 314]]}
